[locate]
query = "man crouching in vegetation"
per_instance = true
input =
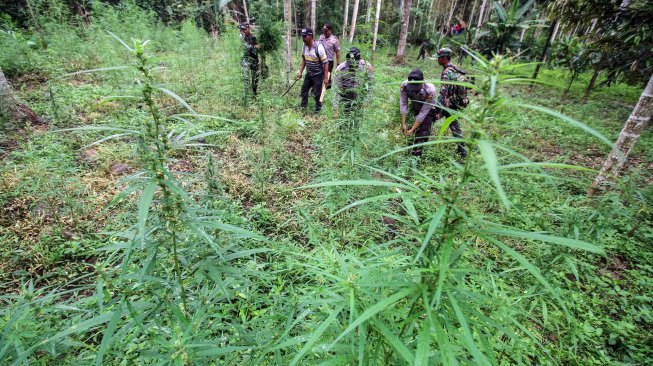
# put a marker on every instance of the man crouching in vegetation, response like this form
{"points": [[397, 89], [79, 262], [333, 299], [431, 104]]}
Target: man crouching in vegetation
{"points": [[314, 58], [453, 97], [352, 80], [422, 96], [250, 57]]}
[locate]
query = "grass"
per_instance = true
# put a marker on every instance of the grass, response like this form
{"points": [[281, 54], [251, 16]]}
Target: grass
{"points": [[323, 285]]}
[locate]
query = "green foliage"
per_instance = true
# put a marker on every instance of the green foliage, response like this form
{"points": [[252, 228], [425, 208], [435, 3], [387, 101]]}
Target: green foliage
{"points": [[204, 251], [620, 41], [504, 28]]}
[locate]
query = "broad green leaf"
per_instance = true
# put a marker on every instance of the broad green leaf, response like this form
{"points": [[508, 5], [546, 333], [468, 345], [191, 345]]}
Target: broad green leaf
{"points": [[567, 119], [370, 312], [444, 267], [435, 222], [118, 135], [108, 335], [99, 128], [410, 209], [121, 41], [546, 165], [530, 268], [216, 351], [144, 207], [491, 164], [428, 143], [571, 243], [177, 98], [381, 197], [81, 327], [359, 182], [393, 341], [316, 335], [112, 68], [423, 346], [479, 358]]}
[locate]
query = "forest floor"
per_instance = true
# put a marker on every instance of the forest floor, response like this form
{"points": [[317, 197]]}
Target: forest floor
{"points": [[57, 217]]}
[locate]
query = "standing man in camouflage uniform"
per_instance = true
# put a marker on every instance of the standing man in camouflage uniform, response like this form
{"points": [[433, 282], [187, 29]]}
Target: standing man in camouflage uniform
{"points": [[453, 97], [250, 56], [421, 96], [351, 78], [332, 47], [314, 58]]}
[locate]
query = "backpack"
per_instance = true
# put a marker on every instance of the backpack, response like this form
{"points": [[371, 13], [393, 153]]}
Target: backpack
{"points": [[459, 98]]}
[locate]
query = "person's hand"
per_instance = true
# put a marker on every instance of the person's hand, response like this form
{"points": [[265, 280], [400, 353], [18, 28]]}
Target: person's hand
{"points": [[299, 76], [326, 80], [403, 129], [409, 132]]}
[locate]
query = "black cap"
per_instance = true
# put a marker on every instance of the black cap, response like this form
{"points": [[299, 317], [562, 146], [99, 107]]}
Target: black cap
{"points": [[414, 88], [243, 26], [307, 32]]}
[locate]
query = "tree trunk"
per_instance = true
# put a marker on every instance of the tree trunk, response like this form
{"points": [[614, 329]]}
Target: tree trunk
{"points": [[591, 84], [471, 15], [12, 107], [480, 17], [639, 118], [376, 29], [345, 20], [368, 16], [544, 51], [571, 81], [299, 40], [403, 34], [245, 9], [353, 22], [555, 32], [453, 8], [521, 40], [313, 11], [488, 11], [288, 20]]}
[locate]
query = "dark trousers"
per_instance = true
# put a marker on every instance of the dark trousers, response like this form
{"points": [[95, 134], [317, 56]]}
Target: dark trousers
{"points": [[315, 83], [422, 54], [331, 63], [422, 133], [348, 99], [251, 76], [456, 131]]}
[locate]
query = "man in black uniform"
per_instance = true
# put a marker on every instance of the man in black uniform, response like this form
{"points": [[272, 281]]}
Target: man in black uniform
{"points": [[250, 56]]}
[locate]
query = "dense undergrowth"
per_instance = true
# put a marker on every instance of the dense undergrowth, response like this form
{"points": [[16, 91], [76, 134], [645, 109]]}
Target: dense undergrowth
{"points": [[209, 229]]}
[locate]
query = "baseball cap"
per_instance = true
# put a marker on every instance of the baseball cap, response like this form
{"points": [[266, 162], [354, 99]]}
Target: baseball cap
{"points": [[414, 88], [307, 32]]}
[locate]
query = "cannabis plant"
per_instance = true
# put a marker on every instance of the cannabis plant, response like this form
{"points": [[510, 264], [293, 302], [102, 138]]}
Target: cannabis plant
{"points": [[438, 301]]}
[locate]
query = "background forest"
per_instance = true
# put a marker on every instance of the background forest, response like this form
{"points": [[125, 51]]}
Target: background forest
{"points": [[153, 212]]}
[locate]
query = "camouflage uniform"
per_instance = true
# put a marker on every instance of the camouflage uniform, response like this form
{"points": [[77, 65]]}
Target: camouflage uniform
{"points": [[447, 99], [421, 104], [250, 60]]}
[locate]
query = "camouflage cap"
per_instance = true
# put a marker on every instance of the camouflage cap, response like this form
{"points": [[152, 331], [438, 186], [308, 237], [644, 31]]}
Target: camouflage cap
{"points": [[354, 53], [445, 52]]}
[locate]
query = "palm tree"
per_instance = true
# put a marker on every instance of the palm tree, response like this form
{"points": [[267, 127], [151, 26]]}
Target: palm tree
{"points": [[504, 30]]}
